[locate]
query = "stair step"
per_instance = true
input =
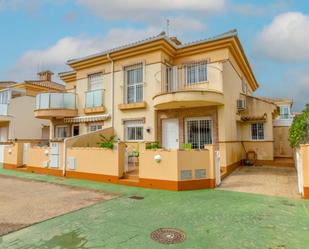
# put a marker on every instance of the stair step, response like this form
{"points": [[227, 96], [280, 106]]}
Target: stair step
{"points": [[130, 176]]}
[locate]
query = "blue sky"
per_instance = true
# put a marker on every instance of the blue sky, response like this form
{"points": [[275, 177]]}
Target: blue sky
{"points": [[44, 34]]}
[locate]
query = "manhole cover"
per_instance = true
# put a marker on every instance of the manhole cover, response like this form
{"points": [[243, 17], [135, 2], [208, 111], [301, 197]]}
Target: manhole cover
{"points": [[168, 236], [134, 197]]}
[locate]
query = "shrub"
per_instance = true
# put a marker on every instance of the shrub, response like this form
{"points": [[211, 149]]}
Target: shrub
{"points": [[187, 146], [107, 142], [299, 130], [155, 145]]}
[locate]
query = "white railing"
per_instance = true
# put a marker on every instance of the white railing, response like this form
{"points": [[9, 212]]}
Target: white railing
{"points": [[56, 101], [94, 98], [183, 77], [286, 116], [3, 109]]}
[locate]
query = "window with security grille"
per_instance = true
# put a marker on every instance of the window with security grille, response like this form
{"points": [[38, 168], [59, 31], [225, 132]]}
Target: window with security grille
{"points": [[257, 131], [134, 83], [196, 73], [95, 127], [61, 131], [134, 130], [95, 81], [199, 132]]}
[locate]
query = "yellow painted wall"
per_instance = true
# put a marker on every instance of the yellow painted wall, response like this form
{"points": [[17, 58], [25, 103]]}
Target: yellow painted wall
{"points": [[282, 147], [36, 156], [98, 160], [173, 162], [304, 151], [24, 125], [264, 149], [15, 156]]}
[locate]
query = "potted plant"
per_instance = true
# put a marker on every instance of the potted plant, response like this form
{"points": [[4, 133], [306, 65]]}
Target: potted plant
{"points": [[107, 142]]}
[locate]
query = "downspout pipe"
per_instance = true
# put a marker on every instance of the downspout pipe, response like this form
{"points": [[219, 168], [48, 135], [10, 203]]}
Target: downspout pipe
{"points": [[112, 89]]}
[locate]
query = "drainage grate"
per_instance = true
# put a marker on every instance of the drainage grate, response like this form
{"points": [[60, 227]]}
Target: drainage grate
{"points": [[168, 236], [134, 197]]}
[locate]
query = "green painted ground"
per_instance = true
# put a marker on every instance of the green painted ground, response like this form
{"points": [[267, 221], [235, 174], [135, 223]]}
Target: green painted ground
{"points": [[213, 219]]}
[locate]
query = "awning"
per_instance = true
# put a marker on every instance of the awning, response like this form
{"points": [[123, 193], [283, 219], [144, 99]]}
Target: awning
{"points": [[249, 118], [84, 119]]}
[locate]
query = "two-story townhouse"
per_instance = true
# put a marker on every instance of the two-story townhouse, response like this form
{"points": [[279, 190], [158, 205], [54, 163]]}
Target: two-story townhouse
{"points": [[159, 89], [17, 104]]}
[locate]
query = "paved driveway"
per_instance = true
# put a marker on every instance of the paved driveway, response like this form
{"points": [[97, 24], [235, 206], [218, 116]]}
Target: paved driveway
{"points": [[268, 180], [24, 202]]}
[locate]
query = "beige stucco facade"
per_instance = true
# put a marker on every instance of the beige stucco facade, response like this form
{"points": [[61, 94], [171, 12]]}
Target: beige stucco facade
{"points": [[202, 90]]}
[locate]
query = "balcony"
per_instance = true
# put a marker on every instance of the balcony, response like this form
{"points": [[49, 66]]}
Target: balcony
{"points": [[94, 101], [193, 85], [55, 105]]}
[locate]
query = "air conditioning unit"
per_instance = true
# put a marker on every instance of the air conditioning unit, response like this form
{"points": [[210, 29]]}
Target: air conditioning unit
{"points": [[241, 104]]}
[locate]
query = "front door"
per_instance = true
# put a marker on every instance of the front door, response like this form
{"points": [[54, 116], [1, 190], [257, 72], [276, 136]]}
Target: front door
{"points": [[170, 133]]}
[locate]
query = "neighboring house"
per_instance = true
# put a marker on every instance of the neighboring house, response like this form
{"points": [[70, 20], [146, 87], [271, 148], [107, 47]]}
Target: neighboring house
{"points": [[281, 126], [159, 89], [17, 104]]}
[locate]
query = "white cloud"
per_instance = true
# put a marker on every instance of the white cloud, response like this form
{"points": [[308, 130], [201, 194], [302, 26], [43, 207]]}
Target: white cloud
{"points": [[285, 39], [55, 56], [256, 10], [147, 9], [29, 6]]}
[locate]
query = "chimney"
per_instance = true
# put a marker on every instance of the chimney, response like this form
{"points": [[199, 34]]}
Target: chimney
{"points": [[45, 75], [175, 40]]}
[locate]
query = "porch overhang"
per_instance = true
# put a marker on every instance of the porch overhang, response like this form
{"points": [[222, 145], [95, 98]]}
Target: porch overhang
{"points": [[187, 99], [84, 119]]}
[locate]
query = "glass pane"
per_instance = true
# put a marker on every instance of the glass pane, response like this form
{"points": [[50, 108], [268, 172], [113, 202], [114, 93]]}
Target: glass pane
{"points": [[254, 131], [139, 93], [139, 133], [191, 74], [205, 133], [44, 101], [56, 100], [89, 99], [131, 133], [69, 100], [97, 98], [193, 133], [202, 71], [131, 94]]}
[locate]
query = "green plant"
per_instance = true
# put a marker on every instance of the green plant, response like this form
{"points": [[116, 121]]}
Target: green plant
{"points": [[299, 130], [155, 145], [107, 142], [187, 146]]}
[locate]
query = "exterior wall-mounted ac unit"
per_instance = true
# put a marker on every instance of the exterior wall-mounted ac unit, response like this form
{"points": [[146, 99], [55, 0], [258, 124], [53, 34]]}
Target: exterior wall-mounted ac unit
{"points": [[241, 104]]}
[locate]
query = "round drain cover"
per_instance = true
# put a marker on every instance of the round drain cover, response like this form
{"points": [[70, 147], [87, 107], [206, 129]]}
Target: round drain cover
{"points": [[168, 236]]}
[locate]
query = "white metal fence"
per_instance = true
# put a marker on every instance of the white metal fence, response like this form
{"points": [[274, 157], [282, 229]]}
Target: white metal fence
{"points": [[299, 168]]}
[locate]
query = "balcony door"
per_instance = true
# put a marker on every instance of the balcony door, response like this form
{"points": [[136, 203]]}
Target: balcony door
{"points": [[170, 133]]}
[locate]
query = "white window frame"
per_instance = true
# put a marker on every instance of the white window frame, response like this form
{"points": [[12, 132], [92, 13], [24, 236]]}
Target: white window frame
{"points": [[134, 85], [196, 72], [198, 119], [62, 126], [257, 138], [96, 125], [133, 124]]}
